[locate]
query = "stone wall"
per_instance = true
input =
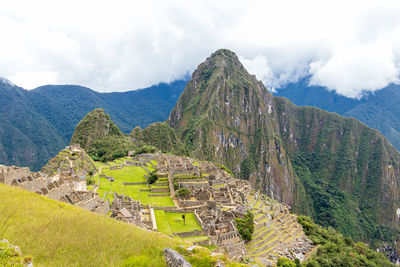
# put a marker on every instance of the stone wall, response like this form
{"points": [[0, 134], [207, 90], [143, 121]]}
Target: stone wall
{"points": [[189, 234], [58, 192], [203, 243], [198, 219], [9, 173], [103, 209], [159, 190], [191, 203], [194, 184], [34, 185]]}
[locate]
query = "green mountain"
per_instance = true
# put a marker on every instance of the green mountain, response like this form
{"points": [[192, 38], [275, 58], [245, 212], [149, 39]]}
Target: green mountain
{"points": [[36, 124], [95, 125], [379, 110], [25, 135], [160, 135], [335, 169], [97, 134]]}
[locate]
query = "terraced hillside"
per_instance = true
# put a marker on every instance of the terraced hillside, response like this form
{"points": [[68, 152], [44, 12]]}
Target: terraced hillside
{"points": [[277, 232], [130, 180]]}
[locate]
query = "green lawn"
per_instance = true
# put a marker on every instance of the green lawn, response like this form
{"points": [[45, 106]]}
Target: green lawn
{"points": [[130, 174], [170, 222], [162, 222], [176, 222]]}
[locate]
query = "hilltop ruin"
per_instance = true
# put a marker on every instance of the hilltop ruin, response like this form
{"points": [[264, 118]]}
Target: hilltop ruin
{"points": [[63, 179], [212, 196]]}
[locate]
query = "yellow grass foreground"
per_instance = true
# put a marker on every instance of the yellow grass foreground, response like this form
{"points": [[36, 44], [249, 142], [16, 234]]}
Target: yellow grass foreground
{"points": [[58, 234]]}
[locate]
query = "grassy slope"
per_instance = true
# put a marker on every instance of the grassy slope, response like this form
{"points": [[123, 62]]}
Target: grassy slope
{"points": [[58, 234]]}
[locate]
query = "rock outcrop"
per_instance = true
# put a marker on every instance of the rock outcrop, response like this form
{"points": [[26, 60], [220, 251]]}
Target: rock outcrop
{"points": [[174, 259]]}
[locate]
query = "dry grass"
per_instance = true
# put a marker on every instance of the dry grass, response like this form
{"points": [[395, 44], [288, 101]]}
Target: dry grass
{"points": [[58, 234]]}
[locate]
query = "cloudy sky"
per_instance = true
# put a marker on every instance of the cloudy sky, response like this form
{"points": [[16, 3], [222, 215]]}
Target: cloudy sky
{"points": [[347, 46]]}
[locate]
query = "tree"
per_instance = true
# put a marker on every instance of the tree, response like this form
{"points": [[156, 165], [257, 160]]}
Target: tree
{"points": [[245, 226], [152, 177], [183, 192]]}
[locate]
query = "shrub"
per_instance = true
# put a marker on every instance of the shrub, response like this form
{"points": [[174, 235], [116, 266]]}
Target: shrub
{"points": [[176, 186], [285, 262], [183, 192], [90, 181]]}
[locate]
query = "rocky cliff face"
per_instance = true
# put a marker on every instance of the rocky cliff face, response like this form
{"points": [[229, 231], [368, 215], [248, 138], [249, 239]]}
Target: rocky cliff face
{"points": [[336, 169], [349, 173], [226, 115]]}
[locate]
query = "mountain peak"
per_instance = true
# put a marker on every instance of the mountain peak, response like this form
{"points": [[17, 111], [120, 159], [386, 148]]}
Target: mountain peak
{"points": [[6, 81], [223, 58], [96, 124], [219, 85]]}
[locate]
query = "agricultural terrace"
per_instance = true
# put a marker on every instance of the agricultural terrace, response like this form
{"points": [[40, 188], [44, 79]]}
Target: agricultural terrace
{"points": [[140, 190]]}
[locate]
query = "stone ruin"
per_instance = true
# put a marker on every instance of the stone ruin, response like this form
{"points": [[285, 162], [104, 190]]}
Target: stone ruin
{"points": [[126, 209], [215, 198], [59, 182], [214, 194], [72, 164]]}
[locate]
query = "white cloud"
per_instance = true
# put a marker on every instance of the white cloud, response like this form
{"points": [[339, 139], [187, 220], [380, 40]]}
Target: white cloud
{"points": [[347, 46], [358, 68]]}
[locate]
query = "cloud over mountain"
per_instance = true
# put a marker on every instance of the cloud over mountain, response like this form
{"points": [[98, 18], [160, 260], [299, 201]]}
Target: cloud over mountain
{"points": [[123, 45]]}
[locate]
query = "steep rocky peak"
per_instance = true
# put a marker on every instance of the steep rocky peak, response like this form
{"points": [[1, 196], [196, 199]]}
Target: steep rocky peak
{"points": [[220, 86]]}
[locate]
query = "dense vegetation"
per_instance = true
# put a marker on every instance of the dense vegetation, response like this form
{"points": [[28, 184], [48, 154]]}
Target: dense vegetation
{"points": [[160, 135], [35, 125], [245, 226], [340, 164], [26, 137], [11, 257], [334, 249], [379, 110]]}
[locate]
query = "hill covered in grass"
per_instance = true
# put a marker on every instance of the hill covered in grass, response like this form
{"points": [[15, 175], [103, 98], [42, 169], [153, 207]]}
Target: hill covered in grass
{"points": [[58, 234]]}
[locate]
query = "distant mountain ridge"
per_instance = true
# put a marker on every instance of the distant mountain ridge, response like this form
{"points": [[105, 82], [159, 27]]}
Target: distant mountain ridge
{"points": [[379, 110], [36, 124]]}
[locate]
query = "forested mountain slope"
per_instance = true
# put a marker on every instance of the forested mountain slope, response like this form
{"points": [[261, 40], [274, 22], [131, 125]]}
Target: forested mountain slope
{"points": [[36, 124], [379, 110]]}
